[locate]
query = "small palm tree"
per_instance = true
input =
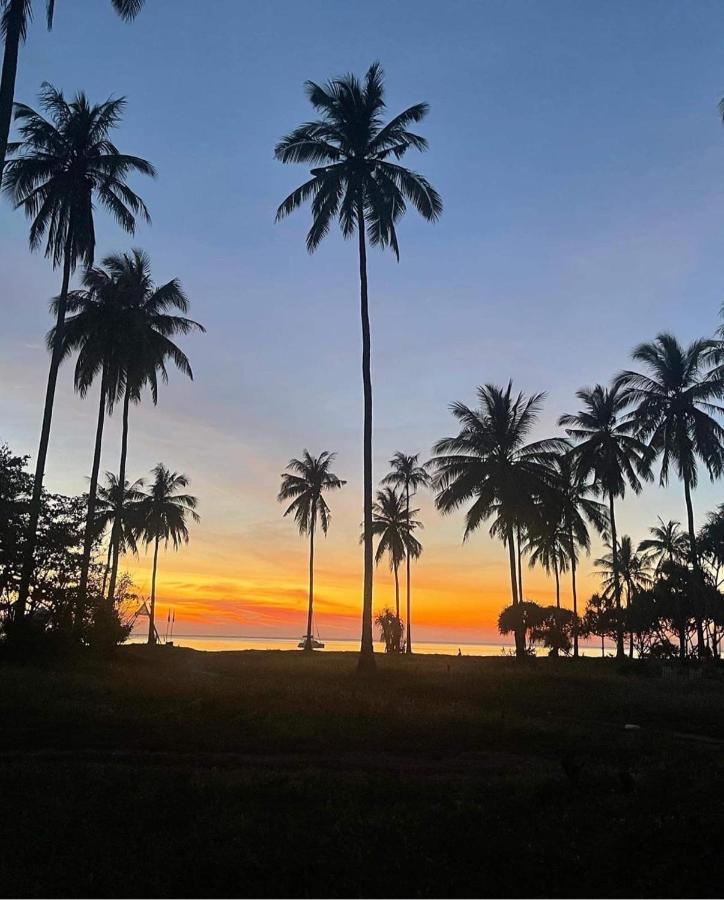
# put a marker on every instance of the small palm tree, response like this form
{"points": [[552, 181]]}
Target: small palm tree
{"points": [[394, 524], [489, 465], [574, 495], [109, 499], [408, 475], [144, 346], [668, 543], [548, 546], [162, 515], [355, 181], [630, 567], [64, 166], [15, 16], [304, 483], [607, 449]]}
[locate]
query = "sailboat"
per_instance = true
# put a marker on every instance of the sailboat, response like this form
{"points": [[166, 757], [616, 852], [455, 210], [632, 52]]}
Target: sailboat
{"points": [[316, 643]]}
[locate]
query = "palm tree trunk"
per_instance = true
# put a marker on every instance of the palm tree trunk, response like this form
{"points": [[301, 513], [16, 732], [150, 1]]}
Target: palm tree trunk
{"points": [[620, 653], [90, 514], [36, 499], [397, 606], [366, 657], [308, 638], [694, 559], [152, 616], [519, 632], [408, 642], [629, 593], [118, 517], [14, 20], [520, 566], [558, 585], [107, 569], [575, 595]]}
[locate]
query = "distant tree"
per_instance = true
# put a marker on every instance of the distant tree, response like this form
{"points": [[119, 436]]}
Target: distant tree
{"points": [[519, 619], [547, 544], [674, 412], [63, 167], [355, 181], [391, 630], [394, 525], [554, 630], [304, 483], [667, 543], [607, 449], [163, 514], [632, 569], [110, 502], [489, 465], [15, 16], [601, 619], [407, 474]]}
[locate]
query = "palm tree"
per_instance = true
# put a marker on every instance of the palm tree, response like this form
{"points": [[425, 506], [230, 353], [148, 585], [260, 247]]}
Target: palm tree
{"points": [[674, 413], [62, 168], [15, 16], [162, 516], [667, 543], [607, 449], [109, 499], [489, 463], [573, 493], [627, 565], [547, 544], [145, 344], [355, 182], [408, 475], [393, 524], [304, 483]]}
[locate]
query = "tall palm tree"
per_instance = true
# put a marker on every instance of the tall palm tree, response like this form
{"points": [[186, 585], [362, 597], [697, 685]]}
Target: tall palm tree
{"points": [[607, 449], [15, 17], [145, 346], [574, 495], [94, 329], [489, 463], [408, 475], [394, 524], [162, 516], [355, 181], [109, 499], [668, 543], [674, 412], [61, 169], [548, 546], [304, 483], [630, 566]]}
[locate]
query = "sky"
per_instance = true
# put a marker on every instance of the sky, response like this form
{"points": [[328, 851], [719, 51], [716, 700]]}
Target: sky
{"points": [[580, 156]]}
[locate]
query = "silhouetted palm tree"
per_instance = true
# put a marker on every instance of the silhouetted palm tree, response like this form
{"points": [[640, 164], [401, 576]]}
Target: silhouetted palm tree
{"points": [[489, 464], [573, 493], [146, 344], [109, 499], [675, 411], [162, 515], [15, 16], [632, 568], [355, 182], [408, 475], [607, 448], [62, 167], [548, 546], [394, 527], [304, 484], [667, 543]]}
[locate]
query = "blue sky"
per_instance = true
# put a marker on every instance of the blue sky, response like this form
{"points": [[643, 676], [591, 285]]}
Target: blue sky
{"points": [[580, 155]]}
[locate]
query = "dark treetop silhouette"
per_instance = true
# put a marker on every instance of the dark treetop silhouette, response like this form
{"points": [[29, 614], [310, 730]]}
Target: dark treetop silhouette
{"points": [[304, 484], [61, 168], [356, 181], [16, 15]]}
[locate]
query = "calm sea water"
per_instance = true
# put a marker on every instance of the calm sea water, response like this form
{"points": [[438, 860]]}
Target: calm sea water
{"points": [[213, 642]]}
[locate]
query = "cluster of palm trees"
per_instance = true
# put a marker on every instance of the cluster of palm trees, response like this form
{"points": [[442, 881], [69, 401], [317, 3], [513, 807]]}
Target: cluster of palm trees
{"points": [[119, 324]]}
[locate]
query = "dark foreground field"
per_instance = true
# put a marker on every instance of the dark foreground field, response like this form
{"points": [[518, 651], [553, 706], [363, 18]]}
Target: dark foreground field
{"points": [[178, 773]]}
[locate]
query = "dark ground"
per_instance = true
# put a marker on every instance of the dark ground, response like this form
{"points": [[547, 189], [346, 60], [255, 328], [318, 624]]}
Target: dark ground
{"points": [[178, 773]]}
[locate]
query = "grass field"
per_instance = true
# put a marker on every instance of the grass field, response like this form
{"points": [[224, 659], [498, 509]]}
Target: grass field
{"points": [[178, 773]]}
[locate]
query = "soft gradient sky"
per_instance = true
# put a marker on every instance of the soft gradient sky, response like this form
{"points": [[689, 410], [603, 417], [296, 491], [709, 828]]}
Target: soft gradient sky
{"points": [[580, 156]]}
